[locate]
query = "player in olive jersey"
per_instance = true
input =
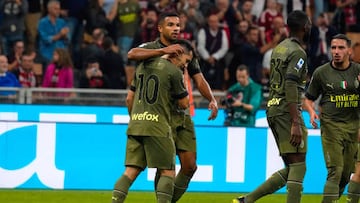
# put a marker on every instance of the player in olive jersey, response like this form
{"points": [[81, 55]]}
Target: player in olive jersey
{"points": [[287, 81], [185, 139], [338, 84], [150, 142]]}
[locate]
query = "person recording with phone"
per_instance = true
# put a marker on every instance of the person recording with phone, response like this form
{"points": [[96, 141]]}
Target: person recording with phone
{"points": [[93, 76], [243, 100]]}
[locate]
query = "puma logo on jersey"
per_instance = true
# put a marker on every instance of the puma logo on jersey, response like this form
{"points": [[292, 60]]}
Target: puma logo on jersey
{"points": [[146, 116], [330, 85]]}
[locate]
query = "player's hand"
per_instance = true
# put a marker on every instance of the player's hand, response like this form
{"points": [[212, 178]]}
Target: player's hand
{"points": [[296, 134], [313, 118], [213, 107], [173, 49]]}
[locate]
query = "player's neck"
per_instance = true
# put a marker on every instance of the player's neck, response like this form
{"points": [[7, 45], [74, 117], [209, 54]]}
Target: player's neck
{"points": [[341, 65], [164, 41]]}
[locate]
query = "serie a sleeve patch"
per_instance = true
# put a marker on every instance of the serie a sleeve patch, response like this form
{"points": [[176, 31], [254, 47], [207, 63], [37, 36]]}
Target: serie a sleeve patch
{"points": [[299, 64]]}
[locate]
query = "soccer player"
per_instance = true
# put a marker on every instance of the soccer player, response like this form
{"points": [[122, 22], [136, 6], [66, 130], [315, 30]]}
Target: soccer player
{"points": [[150, 142], [185, 140], [354, 185], [288, 72], [338, 84]]}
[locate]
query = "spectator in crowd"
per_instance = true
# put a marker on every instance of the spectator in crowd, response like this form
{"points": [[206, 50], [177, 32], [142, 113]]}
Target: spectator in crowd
{"points": [[356, 52], [32, 19], [96, 17], [93, 76], [277, 28], [73, 12], [239, 36], [12, 24], [108, 5], [228, 16], [246, 12], [320, 38], [25, 73], [7, 79], [266, 18], [53, 31], [347, 16], [149, 30], [112, 66], [243, 100], [14, 58], [251, 54], [165, 6], [186, 32], [287, 6], [128, 22], [94, 47], [212, 46], [59, 73], [195, 13]]}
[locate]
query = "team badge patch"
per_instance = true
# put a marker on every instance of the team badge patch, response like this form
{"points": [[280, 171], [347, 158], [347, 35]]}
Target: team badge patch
{"points": [[299, 64]]}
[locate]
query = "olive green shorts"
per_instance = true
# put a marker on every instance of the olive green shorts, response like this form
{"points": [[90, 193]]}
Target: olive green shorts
{"points": [[184, 133], [339, 147], [281, 129], [150, 151]]}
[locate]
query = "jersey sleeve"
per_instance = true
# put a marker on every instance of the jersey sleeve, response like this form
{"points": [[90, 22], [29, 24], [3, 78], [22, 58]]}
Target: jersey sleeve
{"points": [[314, 89], [194, 67], [149, 45], [297, 62], [177, 84]]}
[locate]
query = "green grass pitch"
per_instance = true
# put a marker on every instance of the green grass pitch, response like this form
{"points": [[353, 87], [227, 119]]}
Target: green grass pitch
{"points": [[81, 196]]}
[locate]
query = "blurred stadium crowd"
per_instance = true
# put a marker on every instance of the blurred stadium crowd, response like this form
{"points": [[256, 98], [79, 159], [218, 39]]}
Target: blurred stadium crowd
{"points": [[84, 43]]}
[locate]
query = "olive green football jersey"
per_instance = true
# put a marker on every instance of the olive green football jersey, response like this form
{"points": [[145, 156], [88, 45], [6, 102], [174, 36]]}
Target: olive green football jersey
{"points": [[288, 62], [156, 83], [193, 67], [339, 91]]}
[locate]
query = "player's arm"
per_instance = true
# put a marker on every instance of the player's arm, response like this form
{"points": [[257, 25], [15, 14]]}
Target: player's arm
{"points": [[130, 100], [205, 91], [131, 95], [139, 53], [291, 95], [309, 106], [312, 93], [293, 74]]}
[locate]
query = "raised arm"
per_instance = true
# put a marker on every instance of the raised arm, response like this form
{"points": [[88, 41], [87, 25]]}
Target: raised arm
{"points": [[139, 54]]}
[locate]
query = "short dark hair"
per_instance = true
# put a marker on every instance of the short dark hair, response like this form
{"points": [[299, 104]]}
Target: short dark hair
{"points": [[297, 20], [107, 43], [91, 59], [242, 67], [252, 27], [164, 15], [343, 37], [186, 45]]}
